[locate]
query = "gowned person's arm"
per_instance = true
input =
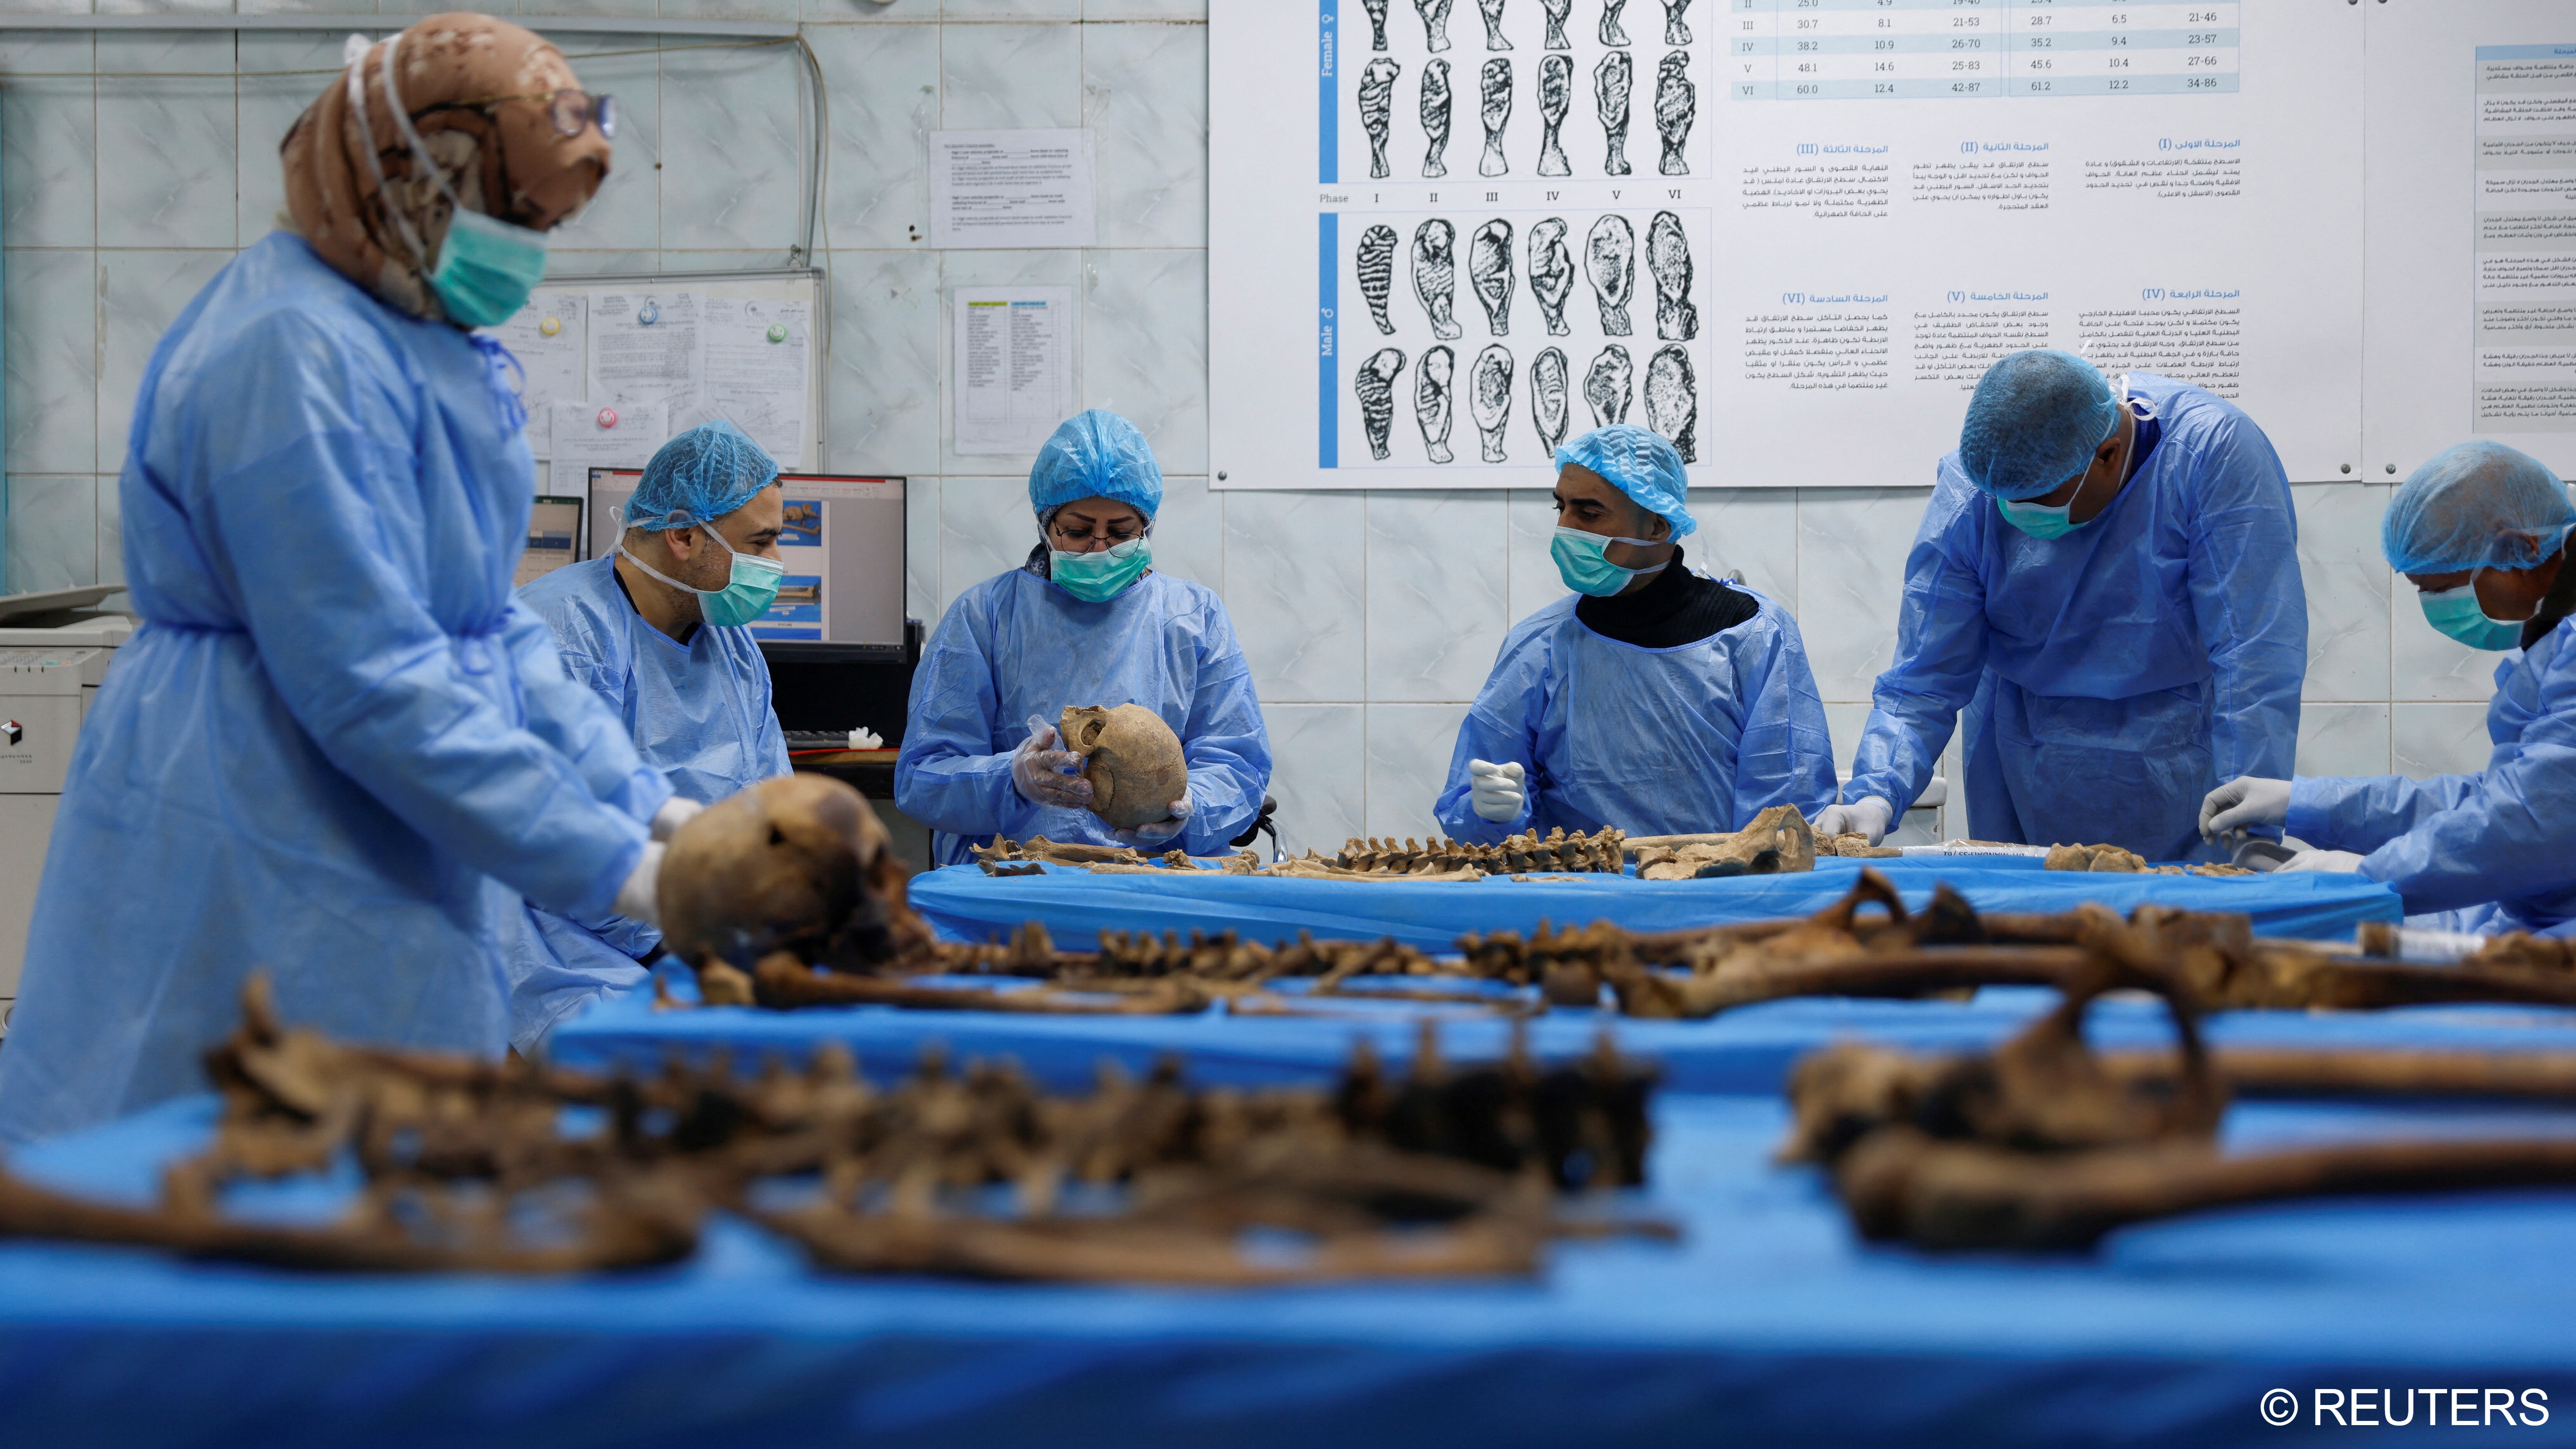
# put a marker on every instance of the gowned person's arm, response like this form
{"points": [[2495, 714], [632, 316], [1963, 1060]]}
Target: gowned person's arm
{"points": [[316, 514]]}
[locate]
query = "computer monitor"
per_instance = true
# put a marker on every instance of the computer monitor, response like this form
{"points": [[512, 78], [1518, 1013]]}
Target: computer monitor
{"points": [[554, 537], [844, 547]]}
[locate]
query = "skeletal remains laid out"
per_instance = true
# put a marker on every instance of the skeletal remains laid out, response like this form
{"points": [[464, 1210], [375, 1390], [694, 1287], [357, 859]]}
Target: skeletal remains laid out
{"points": [[469, 1166], [2044, 1144], [811, 911]]}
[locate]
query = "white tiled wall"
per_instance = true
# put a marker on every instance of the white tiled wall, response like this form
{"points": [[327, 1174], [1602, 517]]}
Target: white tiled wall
{"points": [[135, 163]]}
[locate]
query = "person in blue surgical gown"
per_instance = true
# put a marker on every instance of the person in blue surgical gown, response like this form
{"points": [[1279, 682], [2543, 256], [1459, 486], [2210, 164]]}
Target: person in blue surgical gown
{"points": [[2107, 580], [337, 750], [1086, 621], [659, 629], [1652, 698], [2481, 531]]}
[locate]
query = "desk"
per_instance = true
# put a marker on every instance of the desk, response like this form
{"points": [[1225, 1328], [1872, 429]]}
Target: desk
{"points": [[1768, 1325]]}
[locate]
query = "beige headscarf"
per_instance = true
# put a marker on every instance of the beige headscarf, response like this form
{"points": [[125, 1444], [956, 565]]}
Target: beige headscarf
{"points": [[504, 160]]}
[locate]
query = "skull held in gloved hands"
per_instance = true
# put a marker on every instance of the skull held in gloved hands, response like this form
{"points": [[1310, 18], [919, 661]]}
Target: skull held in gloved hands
{"points": [[800, 864], [1133, 761]]}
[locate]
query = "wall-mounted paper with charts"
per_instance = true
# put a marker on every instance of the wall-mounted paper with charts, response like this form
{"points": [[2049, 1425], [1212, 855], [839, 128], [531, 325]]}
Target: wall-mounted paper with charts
{"points": [[1014, 367], [548, 339], [602, 435], [757, 356], [646, 347]]}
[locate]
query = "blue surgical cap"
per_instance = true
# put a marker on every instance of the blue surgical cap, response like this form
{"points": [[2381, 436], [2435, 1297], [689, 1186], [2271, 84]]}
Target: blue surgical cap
{"points": [[1096, 454], [2479, 505], [2033, 423], [702, 475], [1638, 462]]}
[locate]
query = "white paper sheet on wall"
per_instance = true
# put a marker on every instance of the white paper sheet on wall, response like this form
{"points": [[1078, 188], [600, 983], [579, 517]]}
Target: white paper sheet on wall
{"points": [[591, 435], [1011, 189], [548, 339], [646, 346], [1014, 383], [757, 356]]}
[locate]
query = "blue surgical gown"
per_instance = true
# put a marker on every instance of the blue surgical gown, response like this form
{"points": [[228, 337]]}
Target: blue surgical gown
{"points": [[2118, 673], [2493, 851], [1700, 737], [337, 749], [699, 712], [1016, 645]]}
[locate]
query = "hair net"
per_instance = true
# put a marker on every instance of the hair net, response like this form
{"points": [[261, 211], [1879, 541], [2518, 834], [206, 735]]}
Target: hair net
{"points": [[2033, 423], [2478, 505], [703, 474], [1096, 454], [1640, 463]]}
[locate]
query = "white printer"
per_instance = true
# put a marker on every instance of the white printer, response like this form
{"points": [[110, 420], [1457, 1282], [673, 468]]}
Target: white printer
{"points": [[54, 652]]}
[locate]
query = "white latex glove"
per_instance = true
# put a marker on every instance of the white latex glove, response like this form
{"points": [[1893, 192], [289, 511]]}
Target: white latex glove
{"points": [[1047, 775], [1869, 815], [639, 899], [2244, 802], [675, 812], [2343, 861], [1495, 792], [1154, 835]]}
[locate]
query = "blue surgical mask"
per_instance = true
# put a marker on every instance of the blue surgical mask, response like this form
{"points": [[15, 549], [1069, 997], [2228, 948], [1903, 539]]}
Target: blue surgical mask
{"points": [[1587, 569], [2037, 519], [2455, 612], [1098, 577], [486, 266], [748, 592]]}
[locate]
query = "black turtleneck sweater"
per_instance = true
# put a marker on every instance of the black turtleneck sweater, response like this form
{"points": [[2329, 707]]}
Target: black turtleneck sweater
{"points": [[1676, 607]]}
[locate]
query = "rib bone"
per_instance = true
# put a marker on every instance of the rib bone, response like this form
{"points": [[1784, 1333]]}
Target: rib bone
{"points": [[1551, 272], [1490, 398], [1489, 274], [1610, 259], [1375, 384], [1668, 258], [1435, 274], [1431, 389], [1608, 386], [1612, 79], [1497, 113]]}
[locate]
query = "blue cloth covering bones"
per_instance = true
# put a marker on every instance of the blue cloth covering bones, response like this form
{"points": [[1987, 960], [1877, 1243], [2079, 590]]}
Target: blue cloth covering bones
{"points": [[2114, 676], [700, 712], [334, 721]]}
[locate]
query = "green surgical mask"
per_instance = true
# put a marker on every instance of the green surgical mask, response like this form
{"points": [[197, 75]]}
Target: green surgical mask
{"points": [[748, 592], [2455, 612], [2039, 520], [1099, 577], [1587, 569], [487, 268]]}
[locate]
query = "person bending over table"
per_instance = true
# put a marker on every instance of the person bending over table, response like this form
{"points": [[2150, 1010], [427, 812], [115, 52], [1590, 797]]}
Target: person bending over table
{"points": [[338, 750], [1653, 698], [1085, 621], [2481, 531], [2108, 581], [659, 630]]}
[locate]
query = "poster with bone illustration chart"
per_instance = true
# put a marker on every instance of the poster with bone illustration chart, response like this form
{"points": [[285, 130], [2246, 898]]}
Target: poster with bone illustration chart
{"points": [[1787, 234]]}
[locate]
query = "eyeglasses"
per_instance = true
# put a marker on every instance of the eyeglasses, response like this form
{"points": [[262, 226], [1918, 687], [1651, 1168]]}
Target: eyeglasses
{"points": [[1121, 531], [569, 110]]}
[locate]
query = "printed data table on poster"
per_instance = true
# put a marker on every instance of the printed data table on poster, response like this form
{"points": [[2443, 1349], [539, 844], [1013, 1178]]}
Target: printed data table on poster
{"points": [[1788, 235]]}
